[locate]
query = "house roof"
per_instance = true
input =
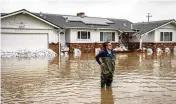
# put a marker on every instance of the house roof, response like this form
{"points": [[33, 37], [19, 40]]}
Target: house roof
{"points": [[122, 25], [2, 14], [117, 24], [145, 27]]}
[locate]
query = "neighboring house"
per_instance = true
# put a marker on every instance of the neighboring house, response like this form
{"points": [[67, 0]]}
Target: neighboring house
{"points": [[25, 30], [155, 34]]}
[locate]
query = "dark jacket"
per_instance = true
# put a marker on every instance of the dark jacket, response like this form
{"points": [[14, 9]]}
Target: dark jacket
{"points": [[107, 62]]}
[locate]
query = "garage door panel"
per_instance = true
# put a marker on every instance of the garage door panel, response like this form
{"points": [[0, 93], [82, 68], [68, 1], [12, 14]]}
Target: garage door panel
{"points": [[14, 42]]}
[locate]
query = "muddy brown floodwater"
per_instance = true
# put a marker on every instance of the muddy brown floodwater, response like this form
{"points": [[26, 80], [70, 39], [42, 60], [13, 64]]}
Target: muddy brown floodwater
{"points": [[138, 79]]}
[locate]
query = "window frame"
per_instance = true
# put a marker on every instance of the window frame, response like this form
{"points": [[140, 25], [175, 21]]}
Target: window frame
{"points": [[163, 36], [79, 35], [104, 33]]}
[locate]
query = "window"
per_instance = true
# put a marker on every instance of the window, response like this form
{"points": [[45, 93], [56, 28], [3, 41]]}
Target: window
{"points": [[83, 35], [79, 35], [166, 36], [101, 36], [107, 36], [113, 36]]}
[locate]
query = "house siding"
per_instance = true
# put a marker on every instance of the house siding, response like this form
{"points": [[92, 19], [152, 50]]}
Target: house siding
{"points": [[88, 45], [167, 28], [67, 35], [29, 21], [134, 39], [31, 26], [150, 37], [95, 36]]}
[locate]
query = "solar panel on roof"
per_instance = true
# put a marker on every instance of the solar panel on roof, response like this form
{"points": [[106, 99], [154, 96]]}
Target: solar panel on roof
{"points": [[71, 18], [89, 20]]}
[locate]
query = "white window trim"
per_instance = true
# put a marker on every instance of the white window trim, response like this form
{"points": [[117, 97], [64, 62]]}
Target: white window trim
{"points": [[163, 36], [80, 35], [111, 36]]}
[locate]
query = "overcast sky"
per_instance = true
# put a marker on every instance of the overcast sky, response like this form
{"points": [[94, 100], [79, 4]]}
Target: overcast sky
{"points": [[133, 10]]}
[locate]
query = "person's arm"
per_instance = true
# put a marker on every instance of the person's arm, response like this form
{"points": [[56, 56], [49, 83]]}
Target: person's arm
{"points": [[98, 57]]}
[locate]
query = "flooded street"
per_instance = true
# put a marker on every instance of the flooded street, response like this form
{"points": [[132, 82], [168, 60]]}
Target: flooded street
{"points": [[138, 79]]}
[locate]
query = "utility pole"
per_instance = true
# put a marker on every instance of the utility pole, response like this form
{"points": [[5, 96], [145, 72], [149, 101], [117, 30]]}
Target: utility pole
{"points": [[148, 16]]}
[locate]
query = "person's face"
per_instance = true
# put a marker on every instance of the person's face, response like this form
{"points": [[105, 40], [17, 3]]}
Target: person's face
{"points": [[109, 46]]}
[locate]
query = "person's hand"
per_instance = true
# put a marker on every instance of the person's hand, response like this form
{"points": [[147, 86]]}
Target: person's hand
{"points": [[101, 64]]}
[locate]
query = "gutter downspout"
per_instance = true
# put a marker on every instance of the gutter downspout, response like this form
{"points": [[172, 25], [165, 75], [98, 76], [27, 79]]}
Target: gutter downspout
{"points": [[60, 31], [140, 46], [59, 49], [59, 44], [140, 38]]}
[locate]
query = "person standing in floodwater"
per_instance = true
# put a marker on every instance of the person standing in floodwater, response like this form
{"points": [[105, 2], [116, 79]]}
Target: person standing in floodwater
{"points": [[107, 64]]}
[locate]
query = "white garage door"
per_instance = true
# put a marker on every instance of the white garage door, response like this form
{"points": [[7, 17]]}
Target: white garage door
{"points": [[14, 42]]}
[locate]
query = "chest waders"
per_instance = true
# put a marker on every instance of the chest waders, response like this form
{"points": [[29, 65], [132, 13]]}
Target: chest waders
{"points": [[107, 70]]}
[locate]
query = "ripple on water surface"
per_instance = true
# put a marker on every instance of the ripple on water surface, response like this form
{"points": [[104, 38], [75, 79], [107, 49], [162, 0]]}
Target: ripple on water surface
{"points": [[138, 79]]}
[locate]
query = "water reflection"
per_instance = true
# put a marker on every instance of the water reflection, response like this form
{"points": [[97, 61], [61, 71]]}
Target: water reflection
{"points": [[107, 96], [138, 78]]}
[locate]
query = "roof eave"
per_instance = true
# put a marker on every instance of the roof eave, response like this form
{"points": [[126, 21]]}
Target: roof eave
{"points": [[32, 14], [91, 28]]}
